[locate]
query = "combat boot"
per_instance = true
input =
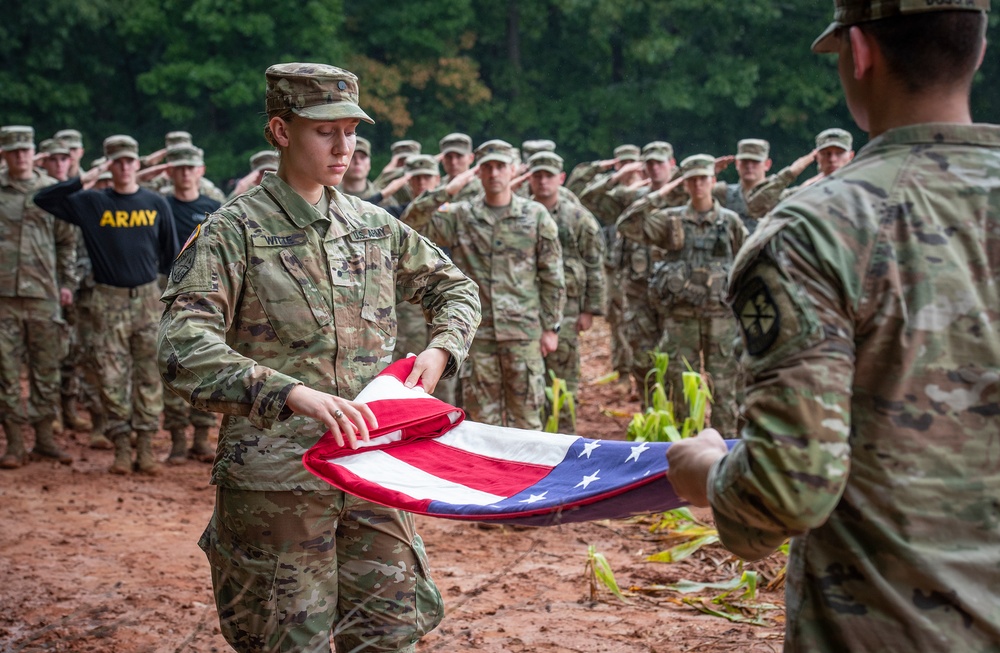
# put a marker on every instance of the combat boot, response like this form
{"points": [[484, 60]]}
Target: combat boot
{"points": [[14, 456], [123, 454], [200, 449], [178, 447], [45, 444], [144, 460], [97, 438], [71, 418]]}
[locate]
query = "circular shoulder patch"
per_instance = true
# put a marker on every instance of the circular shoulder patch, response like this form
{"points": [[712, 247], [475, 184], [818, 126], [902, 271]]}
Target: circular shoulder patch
{"points": [[183, 263], [758, 316]]}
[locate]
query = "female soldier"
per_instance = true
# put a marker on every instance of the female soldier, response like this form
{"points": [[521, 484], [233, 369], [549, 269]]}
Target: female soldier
{"points": [[280, 308]]}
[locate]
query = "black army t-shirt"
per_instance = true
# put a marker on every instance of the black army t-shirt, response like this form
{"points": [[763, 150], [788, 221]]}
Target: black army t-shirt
{"points": [[188, 215], [130, 237]]}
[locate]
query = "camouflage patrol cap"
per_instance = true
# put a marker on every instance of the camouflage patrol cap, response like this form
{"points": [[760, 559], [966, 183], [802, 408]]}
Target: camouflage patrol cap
{"points": [[185, 155], [834, 137], [495, 150], [17, 137], [53, 146], [546, 162], [313, 90], [456, 142], [698, 165], [422, 164], [627, 153], [852, 12], [173, 139], [71, 138], [753, 149], [264, 160], [529, 148], [405, 147], [118, 146], [363, 145], [657, 151]]}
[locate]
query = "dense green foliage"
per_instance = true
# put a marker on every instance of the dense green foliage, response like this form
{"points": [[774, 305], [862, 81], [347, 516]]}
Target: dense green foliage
{"points": [[590, 74]]}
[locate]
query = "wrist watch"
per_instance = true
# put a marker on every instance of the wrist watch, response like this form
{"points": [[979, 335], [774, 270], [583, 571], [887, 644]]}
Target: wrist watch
{"points": [[556, 328]]}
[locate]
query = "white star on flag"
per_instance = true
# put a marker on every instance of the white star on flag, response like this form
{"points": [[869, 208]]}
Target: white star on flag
{"points": [[587, 480], [637, 451], [535, 497], [589, 448]]}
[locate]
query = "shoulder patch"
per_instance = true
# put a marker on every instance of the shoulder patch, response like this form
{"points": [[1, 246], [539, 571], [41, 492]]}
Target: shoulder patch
{"points": [[185, 260], [758, 315]]}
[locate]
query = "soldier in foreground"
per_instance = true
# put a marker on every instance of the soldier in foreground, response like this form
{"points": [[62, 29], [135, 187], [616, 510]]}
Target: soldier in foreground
{"points": [[869, 312], [278, 313]]}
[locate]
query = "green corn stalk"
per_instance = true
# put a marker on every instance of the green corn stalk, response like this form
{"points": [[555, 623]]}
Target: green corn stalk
{"points": [[735, 601], [689, 534], [599, 570], [559, 397], [658, 423]]}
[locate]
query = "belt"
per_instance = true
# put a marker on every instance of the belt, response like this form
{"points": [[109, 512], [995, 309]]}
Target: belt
{"points": [[131, 293]]}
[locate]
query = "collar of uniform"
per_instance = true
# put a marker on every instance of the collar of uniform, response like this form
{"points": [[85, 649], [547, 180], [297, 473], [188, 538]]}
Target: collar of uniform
{"points": [[936, 133], [710, 216], [299, 211], [513, 209], [24, 185]]}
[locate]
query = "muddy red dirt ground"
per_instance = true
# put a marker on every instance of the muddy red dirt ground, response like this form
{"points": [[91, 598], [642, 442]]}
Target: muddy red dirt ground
{"points": [[95, 562]]}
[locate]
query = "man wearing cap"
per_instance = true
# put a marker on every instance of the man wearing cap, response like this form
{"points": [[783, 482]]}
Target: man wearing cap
{"points": [[37, 267], [583, 264], [278, 314], [510, 247], [396, 168], [356, 180], [189, 208], [869, 310], [131, 238], [631, 318], [752, 163], [833, 151], [457, 157], [72, 140], [687, 288], [260, 162], [56, 159], [587, 172]]}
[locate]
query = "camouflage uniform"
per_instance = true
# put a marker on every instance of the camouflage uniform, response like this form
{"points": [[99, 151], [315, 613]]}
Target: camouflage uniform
{"points": [[272, 294], [869, 307], [403, 196], [735, 198], [583, 269], [515, 258], [686, 290], [37, 256]]}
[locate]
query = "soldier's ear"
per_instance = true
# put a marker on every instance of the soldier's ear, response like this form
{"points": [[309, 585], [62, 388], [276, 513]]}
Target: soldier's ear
{"points": [[279, 130]]}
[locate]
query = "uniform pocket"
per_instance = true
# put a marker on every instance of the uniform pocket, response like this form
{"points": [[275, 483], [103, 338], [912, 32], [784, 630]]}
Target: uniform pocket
{"points": [[289, 297], [244, 566]]}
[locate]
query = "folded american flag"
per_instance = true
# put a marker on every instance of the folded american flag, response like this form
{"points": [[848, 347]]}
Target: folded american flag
{"points": [[426, 458]]}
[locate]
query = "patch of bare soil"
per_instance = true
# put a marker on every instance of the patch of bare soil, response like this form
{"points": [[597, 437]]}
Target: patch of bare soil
{"points": [[95, 562]]}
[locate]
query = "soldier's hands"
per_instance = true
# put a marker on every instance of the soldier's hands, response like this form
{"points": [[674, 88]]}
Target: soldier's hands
{"points": [[152, 171], [65, 297], [626, 171], [248, 181], [549, 342], [604, 164], [349, 421], [461, 180], [519, 180], [155, 157], [668, 187], [800, 164], [584, 321], [428, 368], [723, 162], [390, 189], [689, 463], [89, 178]]}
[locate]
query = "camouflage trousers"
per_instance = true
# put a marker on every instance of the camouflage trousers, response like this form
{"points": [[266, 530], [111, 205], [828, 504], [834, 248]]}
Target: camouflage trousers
{"points": [[30, 329], [708, 339], [125, 327], [78, 367], [621, 350], [503, 383], [292, 569], [564, 362], [412, 336], [178, 414], [643, 333]]}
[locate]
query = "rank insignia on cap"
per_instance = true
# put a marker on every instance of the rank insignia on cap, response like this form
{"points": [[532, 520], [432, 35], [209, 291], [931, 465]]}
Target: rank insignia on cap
{"points": [[758, 316]]}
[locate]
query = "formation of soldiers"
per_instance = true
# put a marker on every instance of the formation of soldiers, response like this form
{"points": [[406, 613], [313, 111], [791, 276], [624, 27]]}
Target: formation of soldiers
{"points": [[635, 237]]}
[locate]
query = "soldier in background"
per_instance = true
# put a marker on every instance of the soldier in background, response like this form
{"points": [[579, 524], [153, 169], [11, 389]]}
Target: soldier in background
{"points": [[687, 287], [869, 311], [189, 208], [396, 168], [457, 157], [585, 173], [72, 140], [510, 247], [260, 162], [583, 265], [37, 265], [356, 180]]}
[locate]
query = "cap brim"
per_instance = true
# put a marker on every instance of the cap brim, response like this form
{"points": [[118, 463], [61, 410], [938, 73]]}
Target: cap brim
{"points": [[335, 111], [699, 172], [496, 157], [456, 150], [121, 155], [839, 146], [551, 169], [17, 146], [185, 162], [627, 157], [750, 157], [826, 43], [655, 157]]}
